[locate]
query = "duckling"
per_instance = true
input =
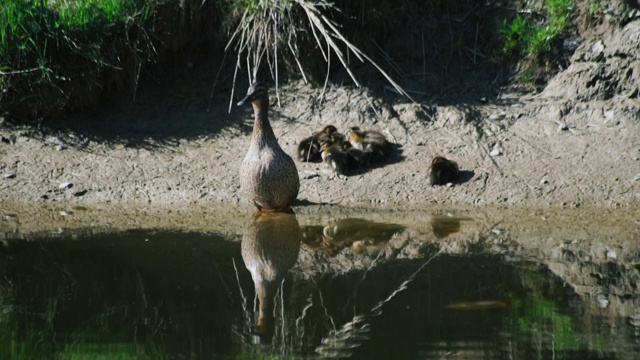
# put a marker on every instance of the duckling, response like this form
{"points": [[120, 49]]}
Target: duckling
{"points": [[356, 156], [333, 155], [309, 148], [332, 131], [443, 171], [371, 142], [268, 176]]}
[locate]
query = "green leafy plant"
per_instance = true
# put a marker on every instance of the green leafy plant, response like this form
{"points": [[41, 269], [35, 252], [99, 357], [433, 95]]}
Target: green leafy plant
{"points": [[45, 45], [531, 40], [513, 34]]}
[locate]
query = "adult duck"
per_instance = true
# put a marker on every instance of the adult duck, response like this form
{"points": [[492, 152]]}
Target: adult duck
{"points": [[268, 176]]}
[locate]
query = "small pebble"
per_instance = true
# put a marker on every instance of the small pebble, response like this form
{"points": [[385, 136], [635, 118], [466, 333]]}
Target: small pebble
{"points": [[12, 175], [11, 217], [603, 302], [598, 47], [608, 114], [53, 140], [65, 185]]}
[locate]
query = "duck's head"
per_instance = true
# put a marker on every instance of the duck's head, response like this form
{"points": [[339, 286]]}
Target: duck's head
{"points": [[329, 129], [355, 134], [325, 143], [257, 94], [438, 160]]}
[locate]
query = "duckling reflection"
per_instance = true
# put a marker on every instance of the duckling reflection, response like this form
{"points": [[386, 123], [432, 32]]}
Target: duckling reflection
{"points": [[270, 248], [358, 234], [444, 226]]}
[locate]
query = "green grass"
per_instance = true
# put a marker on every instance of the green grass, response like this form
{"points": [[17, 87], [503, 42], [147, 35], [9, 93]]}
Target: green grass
{"points": [[46, 44], [32, 335], [531, 40], [29, 28]]}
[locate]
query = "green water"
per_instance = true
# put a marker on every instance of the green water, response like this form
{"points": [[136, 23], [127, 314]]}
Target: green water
{"points": [[349, 289]]}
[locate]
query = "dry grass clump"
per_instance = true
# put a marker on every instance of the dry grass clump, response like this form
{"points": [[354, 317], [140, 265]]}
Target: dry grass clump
{"points": [[435, 50], [274, 31]]}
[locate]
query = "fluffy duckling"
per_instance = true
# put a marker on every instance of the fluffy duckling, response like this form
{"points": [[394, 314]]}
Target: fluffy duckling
{"points": [[309, 148], [356, 156], [443, 171], [333, 155], [374, 145], [268, 176]]}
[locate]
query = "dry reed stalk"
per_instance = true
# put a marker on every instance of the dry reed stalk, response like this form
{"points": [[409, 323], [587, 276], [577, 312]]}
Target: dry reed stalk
{"points": [[270, 28]]}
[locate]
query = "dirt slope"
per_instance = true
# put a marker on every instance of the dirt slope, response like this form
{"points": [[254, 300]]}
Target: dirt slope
{"points": [[576, 143]]}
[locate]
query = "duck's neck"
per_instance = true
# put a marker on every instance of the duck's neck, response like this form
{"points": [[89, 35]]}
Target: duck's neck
{"points": [[262, 131]]}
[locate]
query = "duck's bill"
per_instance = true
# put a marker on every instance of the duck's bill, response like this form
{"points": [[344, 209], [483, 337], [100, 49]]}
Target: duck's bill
{"points": [[243, 101]]}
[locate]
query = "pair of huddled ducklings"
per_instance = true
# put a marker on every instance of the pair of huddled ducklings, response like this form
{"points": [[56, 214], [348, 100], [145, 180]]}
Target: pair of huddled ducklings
{"points": [[344, 153]]}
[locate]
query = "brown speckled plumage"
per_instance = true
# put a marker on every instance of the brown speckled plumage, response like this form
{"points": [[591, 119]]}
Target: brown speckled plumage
{"points": [[268, 176], [333, 155]]}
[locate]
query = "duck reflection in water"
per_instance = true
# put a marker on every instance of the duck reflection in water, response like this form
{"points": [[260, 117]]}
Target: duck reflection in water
{"points": [[358, 234], [270, 247]]}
